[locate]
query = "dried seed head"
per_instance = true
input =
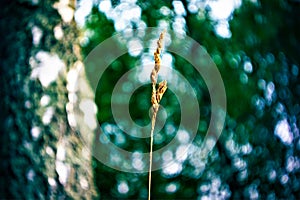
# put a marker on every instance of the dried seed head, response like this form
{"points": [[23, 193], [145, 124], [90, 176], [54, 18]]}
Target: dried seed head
{"points": [[157, 57], [162, 87], [155, 108], [157, 67], [153, 96], [153, 76]]}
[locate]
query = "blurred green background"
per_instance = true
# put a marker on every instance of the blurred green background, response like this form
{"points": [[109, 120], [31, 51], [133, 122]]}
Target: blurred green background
{"points": [[255, 45]]}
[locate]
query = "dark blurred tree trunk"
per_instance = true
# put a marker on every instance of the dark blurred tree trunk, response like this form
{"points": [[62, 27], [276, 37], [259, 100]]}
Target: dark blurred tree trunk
{"points": [[43, 157]]}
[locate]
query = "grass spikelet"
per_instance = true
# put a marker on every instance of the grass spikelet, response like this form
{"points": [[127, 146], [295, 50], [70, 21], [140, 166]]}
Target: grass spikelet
{"points": [[156, 96]]}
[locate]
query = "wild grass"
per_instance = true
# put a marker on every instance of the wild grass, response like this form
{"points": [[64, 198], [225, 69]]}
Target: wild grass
{"points": [[155, 99]]}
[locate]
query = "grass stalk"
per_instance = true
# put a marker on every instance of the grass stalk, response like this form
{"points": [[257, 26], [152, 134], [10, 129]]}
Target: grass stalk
{"points": [[155, 99]]}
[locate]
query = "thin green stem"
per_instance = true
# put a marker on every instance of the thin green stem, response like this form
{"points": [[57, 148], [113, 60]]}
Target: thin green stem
{"points": [[151, 148]]}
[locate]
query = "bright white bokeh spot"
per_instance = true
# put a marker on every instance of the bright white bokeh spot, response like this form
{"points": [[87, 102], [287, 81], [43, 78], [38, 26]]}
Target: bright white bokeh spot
{"points": [[45, 100], [163, 24], [34, 2], [121, 24], [134, 13], [239, 163], [252, 192], [178, 7], [135, 47], [137, 161], [63, 171], [246, 149], [222, 29], [30, 175], [215, 184], [89, 109], [58, 32], [108, 128], [173, 169], [272, 175], [222, 9], [138, 164], [115, 158], [248, 67], [171, 188], [72, 79], [123, 187], [166, 62], [210, 143], [47, 117], [83, 183], [120, 138], [183, 136], [129, 1], [167, 156], [204, 188], [192, 8], [179, 26], [61, 153], [291, 164], [83, 10], [46, 67], [51, 182], [72, 97], [123, 14], [27, 104], [49, 151], [36, 35], [35, 132], [71, 119], [282, 130], [270, 89], [181, 153], [284, 179], [105, 6], [165, 11], [65, 11], [104, 139]]}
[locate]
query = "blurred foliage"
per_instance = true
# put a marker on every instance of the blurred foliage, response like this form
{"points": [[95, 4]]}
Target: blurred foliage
{"points": [[35, 163], [257, 155], [259, 64]]}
